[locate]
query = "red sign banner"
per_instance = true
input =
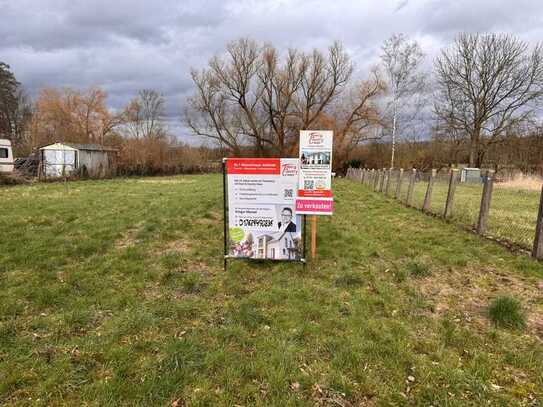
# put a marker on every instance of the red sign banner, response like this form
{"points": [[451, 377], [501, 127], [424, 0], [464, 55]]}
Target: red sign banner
{"points": [[258, 166]]}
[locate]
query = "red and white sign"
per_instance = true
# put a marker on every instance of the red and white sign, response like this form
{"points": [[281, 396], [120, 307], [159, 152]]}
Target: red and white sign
{"points": [[315, 180], [315, 206], [262, 218], [270, 166]]}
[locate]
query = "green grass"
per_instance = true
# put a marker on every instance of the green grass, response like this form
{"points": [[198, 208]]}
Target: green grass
{"points": [[506, 311], [113, 293], [513, 212], [418, 270]]}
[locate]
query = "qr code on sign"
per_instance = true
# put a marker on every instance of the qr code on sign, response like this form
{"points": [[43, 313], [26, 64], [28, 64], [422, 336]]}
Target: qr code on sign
{"points": [[309, 184], [288, 193]]}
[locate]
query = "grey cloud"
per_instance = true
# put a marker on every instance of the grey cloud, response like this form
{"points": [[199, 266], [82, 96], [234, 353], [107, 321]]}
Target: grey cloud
{"points": [[449, 18], [401, 4], [127, 45]]}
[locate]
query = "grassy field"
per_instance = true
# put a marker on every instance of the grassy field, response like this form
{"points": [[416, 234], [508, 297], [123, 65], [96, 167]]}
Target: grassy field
{"points": [[513, 211], [113, 293]]}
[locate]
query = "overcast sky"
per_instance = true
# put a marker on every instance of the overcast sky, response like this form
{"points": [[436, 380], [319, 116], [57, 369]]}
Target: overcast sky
{"points": [[127, 45]]}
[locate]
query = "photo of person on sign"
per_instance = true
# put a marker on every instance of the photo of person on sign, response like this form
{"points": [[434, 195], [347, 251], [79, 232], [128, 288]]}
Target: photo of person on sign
{"points": [[286, 224]]}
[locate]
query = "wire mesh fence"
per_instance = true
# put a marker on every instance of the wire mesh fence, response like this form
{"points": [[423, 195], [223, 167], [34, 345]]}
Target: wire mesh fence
{"points": [[505, 211], [419, 190], [513, 214], [467, 203]]}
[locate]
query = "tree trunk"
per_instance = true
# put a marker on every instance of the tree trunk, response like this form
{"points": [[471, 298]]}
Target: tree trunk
{"points": [[393, 135], [474, 147]]}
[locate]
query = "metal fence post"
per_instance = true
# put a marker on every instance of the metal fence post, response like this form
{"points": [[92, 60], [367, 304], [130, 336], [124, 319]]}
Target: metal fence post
{"points": [[409, 198], [450, 194], [429, 189], [485, 202], [399, 184], [537, 251]]}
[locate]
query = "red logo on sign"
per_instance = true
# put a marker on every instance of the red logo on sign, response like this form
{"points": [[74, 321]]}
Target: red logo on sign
{"points": [[289, 170], [316, 138]]}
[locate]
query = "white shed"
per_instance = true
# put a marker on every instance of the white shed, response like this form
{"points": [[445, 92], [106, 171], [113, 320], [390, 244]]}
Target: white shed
{"points": [[64, 159]]}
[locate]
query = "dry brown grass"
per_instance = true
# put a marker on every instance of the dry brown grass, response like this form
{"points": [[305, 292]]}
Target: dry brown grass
{"points": [[14, 178], [128, 238], [523, 182]]}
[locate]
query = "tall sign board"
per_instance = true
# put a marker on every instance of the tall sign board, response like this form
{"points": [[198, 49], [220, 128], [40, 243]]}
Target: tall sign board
{"points": [[315, 180]]}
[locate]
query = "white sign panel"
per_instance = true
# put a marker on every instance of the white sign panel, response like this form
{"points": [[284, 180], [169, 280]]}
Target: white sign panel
{"points": [[262, 209], [315, 181]]}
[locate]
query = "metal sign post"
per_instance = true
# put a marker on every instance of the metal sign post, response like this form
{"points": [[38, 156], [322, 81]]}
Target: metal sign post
{"points": [[224, 213]]}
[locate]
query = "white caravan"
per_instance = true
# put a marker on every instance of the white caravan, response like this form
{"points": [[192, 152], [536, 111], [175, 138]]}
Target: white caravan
{"points": [[6, 156]]}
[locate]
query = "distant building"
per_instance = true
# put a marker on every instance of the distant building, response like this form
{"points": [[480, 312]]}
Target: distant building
{"points": [[471, 175], [64, 159]]}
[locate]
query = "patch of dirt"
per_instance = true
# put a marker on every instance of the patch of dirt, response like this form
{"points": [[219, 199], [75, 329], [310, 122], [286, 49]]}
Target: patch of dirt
{"points": [[466, 293], [212, 219], [153, 292], [128, 239], [178, 246], [323, 396]]}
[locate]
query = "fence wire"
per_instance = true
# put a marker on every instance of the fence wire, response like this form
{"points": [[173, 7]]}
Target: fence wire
{"points": [[419, 190], [467, 202], [513, 209], [513, 213]]}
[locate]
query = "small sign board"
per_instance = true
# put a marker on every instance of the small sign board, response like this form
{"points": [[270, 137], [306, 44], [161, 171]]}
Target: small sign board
{"points": [[315, 180]]}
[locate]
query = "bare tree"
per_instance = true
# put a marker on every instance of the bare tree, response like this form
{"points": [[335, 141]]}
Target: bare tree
{"points": [[485, 84], [144, 117], [356, 117], [209, 115], [70, 115], [402, 60], [254, 96]]}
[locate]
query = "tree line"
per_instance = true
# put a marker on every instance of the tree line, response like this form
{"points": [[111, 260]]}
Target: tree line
{"points": [[139, 131], [478, 102], [475, 103]]}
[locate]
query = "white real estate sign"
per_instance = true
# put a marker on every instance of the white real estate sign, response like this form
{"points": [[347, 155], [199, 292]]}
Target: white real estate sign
{"points": [[261, 208], [315, 180]]}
